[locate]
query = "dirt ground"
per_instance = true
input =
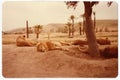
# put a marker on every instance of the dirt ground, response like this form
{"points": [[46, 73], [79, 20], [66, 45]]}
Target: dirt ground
{"points": [[22, 62]]}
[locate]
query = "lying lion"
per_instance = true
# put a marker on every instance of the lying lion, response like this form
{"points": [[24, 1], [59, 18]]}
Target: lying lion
{"points": [[99, 41], [50, 45], [22, 41], [110, 51], [103, 41]]}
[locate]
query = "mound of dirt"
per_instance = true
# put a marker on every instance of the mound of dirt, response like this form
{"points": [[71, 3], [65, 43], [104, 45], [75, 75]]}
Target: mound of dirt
{"points": [[27, 62], [63, 65]]}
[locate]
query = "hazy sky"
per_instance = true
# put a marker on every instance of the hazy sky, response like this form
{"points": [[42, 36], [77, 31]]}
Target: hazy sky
{"points": [[14, 14]]}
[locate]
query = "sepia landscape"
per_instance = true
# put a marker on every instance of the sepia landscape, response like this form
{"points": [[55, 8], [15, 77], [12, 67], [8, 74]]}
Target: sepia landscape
{"points": [[66, 50]]}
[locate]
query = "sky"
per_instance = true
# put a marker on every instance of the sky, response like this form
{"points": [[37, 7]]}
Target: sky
{"points": [[15, 14]]}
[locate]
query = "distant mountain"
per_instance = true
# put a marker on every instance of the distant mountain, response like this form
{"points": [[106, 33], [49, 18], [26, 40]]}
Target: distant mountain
{"points": [[107, 23], [53, 27], [15, 31]]}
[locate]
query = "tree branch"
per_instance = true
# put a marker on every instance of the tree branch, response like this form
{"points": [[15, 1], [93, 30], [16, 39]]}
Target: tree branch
{"points": [[94, 3]]}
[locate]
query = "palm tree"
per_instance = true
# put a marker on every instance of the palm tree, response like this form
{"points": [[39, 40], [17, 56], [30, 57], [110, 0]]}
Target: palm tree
{"points": [[37, 30], [72, 17], [69, 29]]}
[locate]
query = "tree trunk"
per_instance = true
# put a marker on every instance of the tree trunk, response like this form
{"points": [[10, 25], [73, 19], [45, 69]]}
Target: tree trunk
{"points": [[69, 31], [83, 25], [80, 30], [48, 35], [94, 23], [37, 35], [27, 32], [72, 28], [90, 34]]}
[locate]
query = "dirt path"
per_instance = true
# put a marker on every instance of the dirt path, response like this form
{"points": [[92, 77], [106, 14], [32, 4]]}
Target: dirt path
{"points": [[27, 62]]}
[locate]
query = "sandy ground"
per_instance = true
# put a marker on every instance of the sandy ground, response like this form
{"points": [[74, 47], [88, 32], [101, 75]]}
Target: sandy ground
{"points": [[27, 62]]}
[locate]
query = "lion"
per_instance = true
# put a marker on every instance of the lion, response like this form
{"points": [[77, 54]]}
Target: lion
{"points": [[85, 42], [110, 51], [22, 41], [79, 42], [104, 41], [45, 46]]}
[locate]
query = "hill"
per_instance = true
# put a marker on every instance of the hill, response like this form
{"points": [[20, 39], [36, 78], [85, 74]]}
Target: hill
{"points": [[54, 27]]}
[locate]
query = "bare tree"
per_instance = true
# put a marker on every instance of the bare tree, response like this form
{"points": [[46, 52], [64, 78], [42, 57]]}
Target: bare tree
{"points": [[90, 34]]}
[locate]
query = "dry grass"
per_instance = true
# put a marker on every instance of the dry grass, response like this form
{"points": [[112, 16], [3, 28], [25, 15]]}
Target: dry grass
{"points": [[22, 62], [11, 38], [8, 41]]}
